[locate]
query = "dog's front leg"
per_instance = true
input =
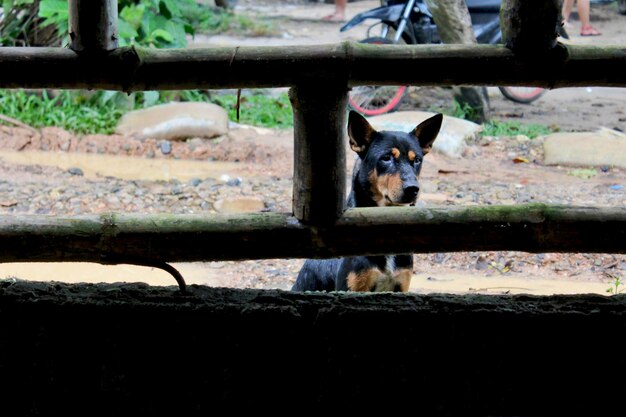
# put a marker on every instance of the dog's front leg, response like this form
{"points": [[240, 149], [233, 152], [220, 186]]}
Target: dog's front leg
{"points": [[375, 280]]}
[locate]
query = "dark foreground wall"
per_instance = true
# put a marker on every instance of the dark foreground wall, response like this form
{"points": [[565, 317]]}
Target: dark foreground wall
{"points": [[138, 350]]}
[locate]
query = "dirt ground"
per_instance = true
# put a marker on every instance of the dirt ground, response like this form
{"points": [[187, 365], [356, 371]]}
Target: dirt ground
{"points": [[258, 163]]}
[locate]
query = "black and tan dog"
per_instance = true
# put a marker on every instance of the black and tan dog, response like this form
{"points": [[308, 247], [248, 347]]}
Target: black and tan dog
{"points": [[385, 174]]}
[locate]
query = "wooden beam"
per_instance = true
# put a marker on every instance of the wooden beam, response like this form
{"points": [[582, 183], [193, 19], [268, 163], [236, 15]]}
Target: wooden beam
{"points": [[530, 26], [130, 69], [93, 25], [176, 238], [319, 180]]}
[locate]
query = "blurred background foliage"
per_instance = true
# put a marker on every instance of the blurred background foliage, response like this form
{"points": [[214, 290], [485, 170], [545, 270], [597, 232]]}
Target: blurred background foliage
{"points": [[151, 23]]}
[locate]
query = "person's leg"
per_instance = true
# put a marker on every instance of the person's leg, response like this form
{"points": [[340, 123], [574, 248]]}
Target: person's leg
{"points": [[568, 5], [584, 13], [340, 11], [340, 8]]}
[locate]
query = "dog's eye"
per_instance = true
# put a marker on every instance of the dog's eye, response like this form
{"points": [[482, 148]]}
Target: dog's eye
{"points": [[386, 158], [417, 161]]}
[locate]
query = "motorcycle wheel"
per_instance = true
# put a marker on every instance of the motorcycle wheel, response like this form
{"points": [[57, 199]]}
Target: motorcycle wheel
{"points": [[376, 100], [523, 95]]}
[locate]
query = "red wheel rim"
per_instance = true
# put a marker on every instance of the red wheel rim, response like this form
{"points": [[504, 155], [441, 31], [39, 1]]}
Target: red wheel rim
{"points": [[381, 110]]}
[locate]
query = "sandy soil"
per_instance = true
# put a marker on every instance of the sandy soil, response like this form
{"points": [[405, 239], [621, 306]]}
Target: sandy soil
{"points": [[261, 161]]}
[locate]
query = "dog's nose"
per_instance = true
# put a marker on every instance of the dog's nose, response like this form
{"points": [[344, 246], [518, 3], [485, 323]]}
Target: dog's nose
{"points": [[410, 193]]}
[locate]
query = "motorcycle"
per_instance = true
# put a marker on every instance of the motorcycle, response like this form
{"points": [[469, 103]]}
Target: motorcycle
{"points": [[410, 22], [621, 4]]}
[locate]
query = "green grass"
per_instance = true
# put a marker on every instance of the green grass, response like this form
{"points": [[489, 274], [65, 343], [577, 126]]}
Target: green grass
{"points": [[66, 110], [498, 128], [259, 109], [86, 113], [463, 111]]}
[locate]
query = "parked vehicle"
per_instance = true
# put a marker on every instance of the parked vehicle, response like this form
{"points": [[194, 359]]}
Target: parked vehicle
{"points": [[621, 4], [226, 4], [410, 22]]}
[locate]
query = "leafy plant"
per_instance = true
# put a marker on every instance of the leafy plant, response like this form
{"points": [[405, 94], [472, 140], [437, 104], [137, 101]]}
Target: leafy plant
{"points": [[20, 24], [55, 13], [616, 282], [153, 23], [503, 269], [584, 173], [463, 111], [498, 128]]}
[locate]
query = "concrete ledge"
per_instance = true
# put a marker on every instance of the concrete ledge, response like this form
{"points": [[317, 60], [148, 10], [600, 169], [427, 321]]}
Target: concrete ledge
{"points": [[138, 350]]}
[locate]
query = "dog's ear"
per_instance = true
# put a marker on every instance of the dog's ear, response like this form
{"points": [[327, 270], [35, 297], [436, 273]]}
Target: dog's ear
{"points": [[427, 131], [360, 133]]}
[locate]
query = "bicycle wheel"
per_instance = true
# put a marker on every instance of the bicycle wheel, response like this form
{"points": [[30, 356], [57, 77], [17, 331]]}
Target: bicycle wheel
{"points": [[375, 100], [524, 95]]}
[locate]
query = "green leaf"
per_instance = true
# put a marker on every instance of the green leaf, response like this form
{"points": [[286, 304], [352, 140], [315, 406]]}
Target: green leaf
{"points": [[133, 15], [164, 11], [107, 96], [53, 9], [55, 13], [150, 98], [189, 29], [177, 31], [150, 22], [6, 6], [163, 35], [172, 7], [126, 31]]}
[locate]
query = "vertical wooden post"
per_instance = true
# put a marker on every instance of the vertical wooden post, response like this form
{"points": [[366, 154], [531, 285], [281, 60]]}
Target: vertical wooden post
{"points": [[454, 25], [319, 182], [530, 26], [93, 25]]}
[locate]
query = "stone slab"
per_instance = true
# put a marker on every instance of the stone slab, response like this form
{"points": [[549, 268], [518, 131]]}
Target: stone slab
{"points": [[175, 120], [604, 147]]}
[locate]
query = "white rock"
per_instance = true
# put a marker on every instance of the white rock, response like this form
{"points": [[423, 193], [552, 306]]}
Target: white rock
{"points": [[452, 138], [175, 121]]}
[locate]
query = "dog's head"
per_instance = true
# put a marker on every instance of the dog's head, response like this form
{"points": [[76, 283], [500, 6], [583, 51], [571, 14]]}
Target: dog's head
{"points": [[390, 161]]}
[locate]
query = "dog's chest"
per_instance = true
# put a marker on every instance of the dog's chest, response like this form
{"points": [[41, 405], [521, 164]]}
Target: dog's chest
{"points": [[390, 264], [382, 273]]}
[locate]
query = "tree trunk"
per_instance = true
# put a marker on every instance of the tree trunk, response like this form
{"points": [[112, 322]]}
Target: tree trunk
{"points": [[454, 25]]}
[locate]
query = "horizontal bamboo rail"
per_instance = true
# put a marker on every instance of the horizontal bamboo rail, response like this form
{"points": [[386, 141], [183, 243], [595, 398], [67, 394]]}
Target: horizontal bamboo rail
{"points": [[136, 69], [135, 238]]}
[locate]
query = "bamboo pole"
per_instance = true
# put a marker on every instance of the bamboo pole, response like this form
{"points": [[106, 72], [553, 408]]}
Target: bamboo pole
{"points": [[530, 26], [130, 69], [454, 25], [169, 238], [319, 181], [93, 25]]}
